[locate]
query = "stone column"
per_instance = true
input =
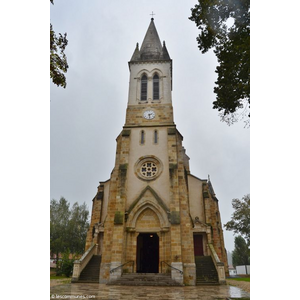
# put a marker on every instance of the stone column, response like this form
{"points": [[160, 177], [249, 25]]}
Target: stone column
{"points": [[187, 243]]}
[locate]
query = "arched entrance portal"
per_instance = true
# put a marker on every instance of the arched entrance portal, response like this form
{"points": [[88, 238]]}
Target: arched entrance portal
{"points": [[147, 253]]}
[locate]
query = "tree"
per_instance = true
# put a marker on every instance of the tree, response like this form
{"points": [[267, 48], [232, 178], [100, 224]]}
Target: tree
{"points": [[65, 265], [68, 227], [58, 59], [78, 225], [231, 44], [240, 220], [240, 254], [59, 219]]}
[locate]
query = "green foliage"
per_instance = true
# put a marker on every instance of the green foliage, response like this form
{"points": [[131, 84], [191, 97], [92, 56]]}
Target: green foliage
{"points": [[240, 254], [68, 227], [58, 276], [59, 225], [65, 265], [58, 59], [118, 217], [240, 220], [79, 226], [175, 217], [247, 279], [231, 44]]}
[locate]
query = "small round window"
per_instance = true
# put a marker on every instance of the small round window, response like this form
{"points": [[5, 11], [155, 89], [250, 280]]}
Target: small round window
{"points": [[148, 168]]}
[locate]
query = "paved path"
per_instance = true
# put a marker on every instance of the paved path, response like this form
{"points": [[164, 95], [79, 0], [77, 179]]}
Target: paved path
{"points": [[104, 292], [54, 282], [244, 285]]}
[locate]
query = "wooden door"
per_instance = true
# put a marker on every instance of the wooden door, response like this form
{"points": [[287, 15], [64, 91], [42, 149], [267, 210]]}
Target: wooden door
{"points": [[198, 245]]}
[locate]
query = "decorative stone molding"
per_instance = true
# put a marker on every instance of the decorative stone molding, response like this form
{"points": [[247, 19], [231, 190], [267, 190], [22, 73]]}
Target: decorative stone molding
{"points": [[164, 224], [99, 227], [148, 168], [199, 226], [148, 200], [154, 194]]}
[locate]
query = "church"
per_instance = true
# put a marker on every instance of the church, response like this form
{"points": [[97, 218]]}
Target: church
{"points": [[152, 217]]}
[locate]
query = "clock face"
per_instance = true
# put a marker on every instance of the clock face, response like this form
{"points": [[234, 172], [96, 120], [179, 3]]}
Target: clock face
{"points": [[149, 114]]}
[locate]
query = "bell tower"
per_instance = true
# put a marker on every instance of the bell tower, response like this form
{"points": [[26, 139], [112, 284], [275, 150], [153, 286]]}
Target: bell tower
{"points": [[150, 86]]}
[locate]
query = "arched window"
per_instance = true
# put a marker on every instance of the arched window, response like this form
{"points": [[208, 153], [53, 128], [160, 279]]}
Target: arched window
{"points": [[155, 87], [155, 137], [144, 83], [142, 137]]}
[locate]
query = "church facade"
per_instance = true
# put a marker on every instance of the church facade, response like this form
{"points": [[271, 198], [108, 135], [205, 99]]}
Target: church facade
{"points": [[153, 215]]}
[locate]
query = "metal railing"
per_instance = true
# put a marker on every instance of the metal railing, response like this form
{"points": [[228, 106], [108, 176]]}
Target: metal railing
{"points": [[121, 266], [181, 272]]}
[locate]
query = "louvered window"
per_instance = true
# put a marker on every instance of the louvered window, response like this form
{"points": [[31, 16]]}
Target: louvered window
{"points": [[155, 87], [144, 83]]}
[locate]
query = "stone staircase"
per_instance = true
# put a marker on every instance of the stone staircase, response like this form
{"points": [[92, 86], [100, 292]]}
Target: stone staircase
{"points": [[90, 274], [142, 279], [206, 272]]}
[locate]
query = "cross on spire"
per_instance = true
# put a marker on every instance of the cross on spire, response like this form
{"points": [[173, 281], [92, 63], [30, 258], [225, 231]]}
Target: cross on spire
{"points": [[152, 15]]}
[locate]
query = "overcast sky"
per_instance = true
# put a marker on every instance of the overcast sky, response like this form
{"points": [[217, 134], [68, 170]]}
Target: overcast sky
{"points": [[89, 114]]}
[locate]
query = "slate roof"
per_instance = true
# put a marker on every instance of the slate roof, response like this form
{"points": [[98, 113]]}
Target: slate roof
{"points": [[151, 48]]}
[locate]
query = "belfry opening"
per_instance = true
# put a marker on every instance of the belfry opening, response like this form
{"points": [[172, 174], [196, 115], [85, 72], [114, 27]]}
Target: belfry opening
{"points": [[147, 253]]}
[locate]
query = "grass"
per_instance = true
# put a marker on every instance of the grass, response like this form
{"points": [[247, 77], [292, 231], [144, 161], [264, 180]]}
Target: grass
{"points": [[58, 277], [247, 279]]}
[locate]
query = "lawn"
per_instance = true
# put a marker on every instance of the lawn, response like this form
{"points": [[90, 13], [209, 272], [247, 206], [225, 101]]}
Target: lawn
{"points": [[247, 279], [52, 276]]}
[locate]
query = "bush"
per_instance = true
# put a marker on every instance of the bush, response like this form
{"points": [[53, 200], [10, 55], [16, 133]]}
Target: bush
{"points": [[65, 265]]}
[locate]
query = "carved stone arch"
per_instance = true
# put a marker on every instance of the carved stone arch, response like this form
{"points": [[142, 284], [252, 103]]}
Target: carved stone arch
{"points": [[143, 203], [143, 72], [156, 71], [157, 91]]}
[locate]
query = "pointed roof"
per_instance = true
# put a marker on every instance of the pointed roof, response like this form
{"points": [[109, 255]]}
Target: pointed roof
{"points": [[211, 189], [136, 54], [151, 48]]}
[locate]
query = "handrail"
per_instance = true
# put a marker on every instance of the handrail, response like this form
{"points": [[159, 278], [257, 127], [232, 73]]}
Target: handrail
{"points": [[86, 253], [181, 272], [214, 254], [114, 269], [80, 264], [218, 264]]}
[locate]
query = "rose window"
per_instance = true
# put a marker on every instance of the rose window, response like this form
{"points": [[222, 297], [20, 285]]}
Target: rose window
{"points": [[148, 169]]}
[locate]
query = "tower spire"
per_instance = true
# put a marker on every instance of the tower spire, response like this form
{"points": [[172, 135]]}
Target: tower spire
{"points": [[151, 48]]}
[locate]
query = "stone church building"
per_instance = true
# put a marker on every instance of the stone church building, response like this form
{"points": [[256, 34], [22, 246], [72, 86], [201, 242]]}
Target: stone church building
{"points": [[153, 216]]}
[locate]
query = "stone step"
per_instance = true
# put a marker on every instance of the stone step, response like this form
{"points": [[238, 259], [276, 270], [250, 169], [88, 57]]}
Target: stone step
{"points": [[207, 283], [146, 279], [88, 280], [206, 273], [91, 271], [150, 275]]}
